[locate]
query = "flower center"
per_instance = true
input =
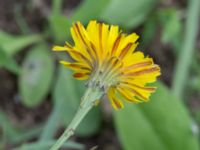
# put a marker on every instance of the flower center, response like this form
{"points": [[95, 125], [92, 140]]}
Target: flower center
{"points": [[106, 74]]}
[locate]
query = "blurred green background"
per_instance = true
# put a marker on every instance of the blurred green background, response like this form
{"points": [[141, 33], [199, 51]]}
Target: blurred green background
{"points": [[38, 97]]}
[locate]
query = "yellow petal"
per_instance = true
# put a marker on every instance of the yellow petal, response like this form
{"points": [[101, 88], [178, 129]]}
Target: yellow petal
{"points": [[133, 58], [79, 39], [116, 103], [79, 57], [78, 67], [112, 36], [81, 76], [143, 95], [129, 96], [147, 71], [103, 36], [132, 38], [104, 50], [93, 33], [59, 48]]}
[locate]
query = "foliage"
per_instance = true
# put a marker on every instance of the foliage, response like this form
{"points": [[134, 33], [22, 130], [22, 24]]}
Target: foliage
{"points": [[163, 123], [145, 129], [36, 76], [67, 96]]}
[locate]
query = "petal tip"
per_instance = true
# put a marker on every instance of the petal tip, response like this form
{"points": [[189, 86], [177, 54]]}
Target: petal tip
{"points": [[58, 48]]}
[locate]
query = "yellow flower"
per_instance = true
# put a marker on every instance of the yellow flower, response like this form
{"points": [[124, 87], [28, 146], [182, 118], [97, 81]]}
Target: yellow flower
{"points": [[106, 56]]}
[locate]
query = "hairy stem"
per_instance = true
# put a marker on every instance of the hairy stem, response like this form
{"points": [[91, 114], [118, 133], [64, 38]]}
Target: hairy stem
{"points": [[88, 101]]}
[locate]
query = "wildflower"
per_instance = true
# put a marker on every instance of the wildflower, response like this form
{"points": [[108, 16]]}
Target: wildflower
{"points": [[106, 56]]}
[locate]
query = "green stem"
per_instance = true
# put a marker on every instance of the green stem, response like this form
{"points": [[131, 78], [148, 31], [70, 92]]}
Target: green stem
{"points": [[187, 49], [57, 6], [88, 101]]}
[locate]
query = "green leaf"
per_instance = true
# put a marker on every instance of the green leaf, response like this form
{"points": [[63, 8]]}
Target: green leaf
{"points": [[67, 95], [161, 124], [56, 7], [47, 144], [149, 30], [12, 44], [195, 83], [60, 26], [16, 134], [89, 9], [36, 76], [7, 127], [8, 62], [172, 25], [196, 113], [51, 125], [128, 13]]}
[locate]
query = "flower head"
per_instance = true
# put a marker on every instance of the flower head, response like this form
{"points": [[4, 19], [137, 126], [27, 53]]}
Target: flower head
{"points": [[105, 56]]}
